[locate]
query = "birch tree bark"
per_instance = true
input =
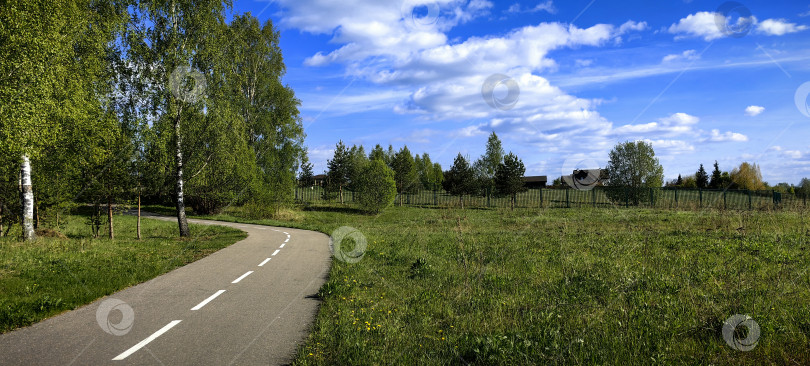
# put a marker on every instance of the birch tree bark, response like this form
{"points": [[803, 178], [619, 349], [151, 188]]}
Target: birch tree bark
{"points": [[27, 199], [182, 222]]}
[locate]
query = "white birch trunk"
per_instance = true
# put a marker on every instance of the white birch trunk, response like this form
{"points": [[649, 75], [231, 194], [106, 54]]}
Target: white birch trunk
{"points": [[27, 199], [182, 222]]}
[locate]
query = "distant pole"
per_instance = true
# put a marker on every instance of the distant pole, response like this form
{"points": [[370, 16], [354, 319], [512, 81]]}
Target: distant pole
{"points": [[700, 194], [725, 206], [139, 215]]}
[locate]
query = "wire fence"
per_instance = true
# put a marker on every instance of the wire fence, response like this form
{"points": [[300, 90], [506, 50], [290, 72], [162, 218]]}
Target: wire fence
{"points": [[604, 197]]}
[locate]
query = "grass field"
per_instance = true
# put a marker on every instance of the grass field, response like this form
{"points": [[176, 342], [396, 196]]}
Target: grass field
{"points": [[578, 286], [51, 275]]}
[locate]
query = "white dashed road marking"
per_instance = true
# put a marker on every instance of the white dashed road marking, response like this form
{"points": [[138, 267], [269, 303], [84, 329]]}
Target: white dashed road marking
{"points": [[146, 341], [264, 262], [206, 301], [276, 252], [242, 277]]}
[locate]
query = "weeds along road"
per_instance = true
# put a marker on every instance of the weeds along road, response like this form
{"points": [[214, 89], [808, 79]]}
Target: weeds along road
{"points": [[248, 304]]}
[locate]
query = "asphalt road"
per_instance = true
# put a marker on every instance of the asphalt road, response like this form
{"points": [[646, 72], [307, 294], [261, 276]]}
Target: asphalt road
{"points": [[248, 304]]}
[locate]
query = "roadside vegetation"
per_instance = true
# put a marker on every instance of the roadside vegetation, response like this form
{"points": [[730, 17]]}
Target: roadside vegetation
{"points": [[63, 270], [559, 286]]}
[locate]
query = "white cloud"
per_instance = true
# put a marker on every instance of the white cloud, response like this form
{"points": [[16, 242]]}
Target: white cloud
{"points": [[700, 24], [754, 110], [729, 136], [631, 26], [690, 55], [778, 27], [704, 25], [793, 154], [583, 63], [547, 6], [674, 125]]}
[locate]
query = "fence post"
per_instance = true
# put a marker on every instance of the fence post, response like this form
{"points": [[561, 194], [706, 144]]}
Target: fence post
{"points": [[435, 198], [408, 202], [593, 194], [489, 204], [296, 193], [626, 197], [749, 199], [567, 201], [541, 197], [725, 206], [652, 199], [700, 193]]}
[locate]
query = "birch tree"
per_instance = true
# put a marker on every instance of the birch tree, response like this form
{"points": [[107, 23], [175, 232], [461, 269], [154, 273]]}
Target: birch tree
{"points": [[51, 68], [163, 40]]}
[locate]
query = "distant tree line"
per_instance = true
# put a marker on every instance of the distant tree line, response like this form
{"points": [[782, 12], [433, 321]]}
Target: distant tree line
{"points": [[493, 173]]}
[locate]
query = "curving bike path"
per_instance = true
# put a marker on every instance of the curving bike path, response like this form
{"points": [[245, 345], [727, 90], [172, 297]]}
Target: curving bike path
{"points": [[248, 304]]}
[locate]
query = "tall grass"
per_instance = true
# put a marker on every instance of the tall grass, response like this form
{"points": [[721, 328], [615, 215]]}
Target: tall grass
{"points": [[579, 286]]}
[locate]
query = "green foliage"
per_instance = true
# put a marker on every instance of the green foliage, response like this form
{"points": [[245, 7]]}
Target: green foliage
{"points": [[509, 177], [376, 187], [460, 179], [634, 167], [405, 171], [717, 177], [747, 176], [486, 166], [702, 178], [339, 170], [306, 178]]}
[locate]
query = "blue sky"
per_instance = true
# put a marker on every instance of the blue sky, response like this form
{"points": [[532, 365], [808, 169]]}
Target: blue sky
{"points": [[587, 75]]}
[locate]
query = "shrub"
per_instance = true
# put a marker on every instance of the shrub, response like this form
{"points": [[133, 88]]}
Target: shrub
{"points": [[377, 188]]}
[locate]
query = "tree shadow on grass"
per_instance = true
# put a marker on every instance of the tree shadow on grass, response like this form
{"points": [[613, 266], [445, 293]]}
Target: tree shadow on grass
{"points": [[347, 210]]}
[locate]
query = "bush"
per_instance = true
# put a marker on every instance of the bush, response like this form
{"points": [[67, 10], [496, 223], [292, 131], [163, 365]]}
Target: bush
{"points": [[377, 188]]}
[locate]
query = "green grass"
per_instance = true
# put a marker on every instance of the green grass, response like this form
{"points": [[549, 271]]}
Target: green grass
{"points": [[51, 275], [576, 286]]}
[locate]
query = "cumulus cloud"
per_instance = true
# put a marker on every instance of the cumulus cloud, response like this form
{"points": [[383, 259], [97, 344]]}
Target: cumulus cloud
{"points": [[700, 24], [674, 125], [729, 136], [778, 27], [703, 25], [754, 110]]}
